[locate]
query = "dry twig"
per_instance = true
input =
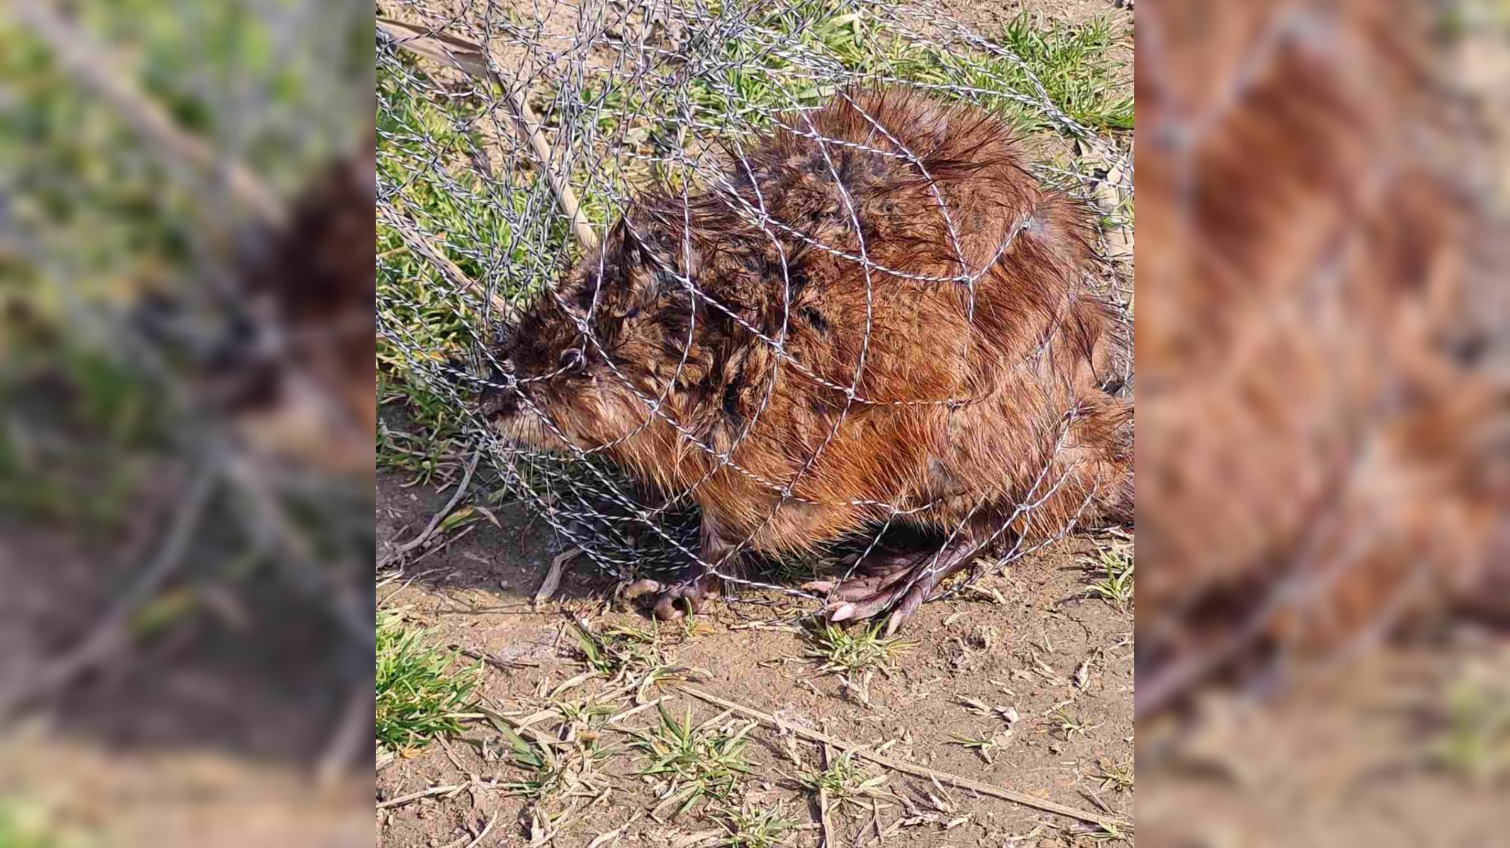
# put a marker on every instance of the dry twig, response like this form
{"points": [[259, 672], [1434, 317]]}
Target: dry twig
{"points": [[435, 520], [916, 770], [93, 65], [424, 793], [472, 60]]}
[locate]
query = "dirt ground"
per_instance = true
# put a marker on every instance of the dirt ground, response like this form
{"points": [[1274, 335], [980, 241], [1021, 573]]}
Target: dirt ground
{"points": [[205, 735], [1042, 648], [1349, 759], [77, 792]]}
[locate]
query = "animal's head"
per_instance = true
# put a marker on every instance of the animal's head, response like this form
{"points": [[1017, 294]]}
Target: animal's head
{"points": [[583, 364]]}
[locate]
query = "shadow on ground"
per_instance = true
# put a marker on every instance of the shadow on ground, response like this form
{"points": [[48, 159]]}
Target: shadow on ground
{"points": [[247, 670]]}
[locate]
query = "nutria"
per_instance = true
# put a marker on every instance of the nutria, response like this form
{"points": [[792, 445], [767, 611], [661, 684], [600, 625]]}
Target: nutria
{"points": [[288, 363], [1328, 459], [945, 368], [304, 389]]}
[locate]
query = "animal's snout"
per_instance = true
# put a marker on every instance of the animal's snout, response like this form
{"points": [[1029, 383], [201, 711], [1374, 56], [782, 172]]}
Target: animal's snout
{"points": [[492, 403], [500, 396]]}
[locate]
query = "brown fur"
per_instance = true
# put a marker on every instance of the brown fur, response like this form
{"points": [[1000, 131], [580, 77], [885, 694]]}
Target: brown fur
{"points": [[311, 285], [1317, 456], [962, 396]]}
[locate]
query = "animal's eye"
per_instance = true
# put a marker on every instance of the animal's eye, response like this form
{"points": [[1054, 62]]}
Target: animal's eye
{"points": [[573, 360]]}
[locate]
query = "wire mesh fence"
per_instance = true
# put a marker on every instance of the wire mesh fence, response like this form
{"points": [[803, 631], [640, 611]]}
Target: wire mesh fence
{"points": [[803, 282]]}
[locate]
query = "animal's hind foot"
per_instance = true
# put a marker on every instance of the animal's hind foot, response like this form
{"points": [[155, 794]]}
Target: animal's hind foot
{"points": [[898, 583]]}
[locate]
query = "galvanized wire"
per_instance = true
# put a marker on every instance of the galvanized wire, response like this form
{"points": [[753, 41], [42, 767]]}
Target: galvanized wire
{"points": [[639, 93]]}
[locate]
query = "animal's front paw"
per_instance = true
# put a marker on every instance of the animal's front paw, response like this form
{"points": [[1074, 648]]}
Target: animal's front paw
{"points": [[675, 602]]}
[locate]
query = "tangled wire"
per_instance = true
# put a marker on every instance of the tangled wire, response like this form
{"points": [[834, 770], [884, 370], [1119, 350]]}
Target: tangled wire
{"points": [[512, 137]]}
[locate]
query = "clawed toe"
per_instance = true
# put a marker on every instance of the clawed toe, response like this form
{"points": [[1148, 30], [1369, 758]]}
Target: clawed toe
{"points": [[872, 578], [894, 600], [677, 602], [639, 588], [899, 590]]}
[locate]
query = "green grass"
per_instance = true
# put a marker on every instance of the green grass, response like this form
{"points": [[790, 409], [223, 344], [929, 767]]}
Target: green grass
{"points": [[758, 81], [587, 714], [854, 650], [565, 763], [753, 82], [1461, 18], [1473, 740], [1116, 777], [843, 782], [983, 744], [754, 828], [1070, 723], [855, 653], [27, 825], [627, 655], [1109, 832], [1112, 581], [547, 774], [1073, 62], [698, 763], [421, 690], [1075, 66], [616, 651]]}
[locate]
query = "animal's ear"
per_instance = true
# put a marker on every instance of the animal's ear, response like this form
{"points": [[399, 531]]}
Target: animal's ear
{"points": [[627, 246], [633, 256]]}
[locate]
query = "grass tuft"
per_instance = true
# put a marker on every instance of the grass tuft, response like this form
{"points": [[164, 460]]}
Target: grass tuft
{"points": [[854, 650], [844, 781], [24, 826], [420, 692], [616, 651], [1075, 65], [1115, 586], [855, 653], [1473, 740], [1070, 723], [627, 655], [1109, 832], [698, 762], [546, 774], [982, 744], [1116, 777], [755, 828]]}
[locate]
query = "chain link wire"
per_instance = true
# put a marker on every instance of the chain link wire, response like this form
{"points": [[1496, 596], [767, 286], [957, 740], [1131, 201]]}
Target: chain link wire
{"points": [[632, 94]]}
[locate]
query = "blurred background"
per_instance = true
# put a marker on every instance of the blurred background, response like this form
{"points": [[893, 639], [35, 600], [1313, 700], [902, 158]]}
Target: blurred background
{"points": [[186, 367], [1323, 429]]}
